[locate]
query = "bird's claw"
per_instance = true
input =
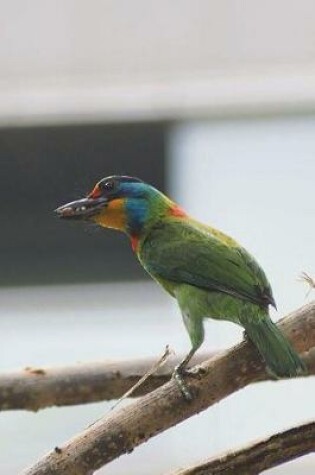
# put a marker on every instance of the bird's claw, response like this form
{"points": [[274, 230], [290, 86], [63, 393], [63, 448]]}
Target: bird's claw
{"points": [[197, 371], [178, 376]]}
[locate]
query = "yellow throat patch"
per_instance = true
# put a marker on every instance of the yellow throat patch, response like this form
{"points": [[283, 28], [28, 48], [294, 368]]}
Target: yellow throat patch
{"points": [[113, 216]]}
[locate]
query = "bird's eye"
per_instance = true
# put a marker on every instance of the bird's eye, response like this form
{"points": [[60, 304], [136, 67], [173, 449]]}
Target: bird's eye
{"points": [[107, 185]]}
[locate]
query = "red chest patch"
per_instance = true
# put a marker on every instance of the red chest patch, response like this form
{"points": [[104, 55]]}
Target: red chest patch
{"points": [[177, 211], [134, 243]]}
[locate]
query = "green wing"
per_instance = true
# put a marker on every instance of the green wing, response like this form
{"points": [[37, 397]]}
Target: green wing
{"points": [[185, 252]]}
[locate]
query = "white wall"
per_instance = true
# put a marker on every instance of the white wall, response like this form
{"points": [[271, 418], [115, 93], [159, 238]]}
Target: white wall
{"points": [[121, 39], [111, 60]]}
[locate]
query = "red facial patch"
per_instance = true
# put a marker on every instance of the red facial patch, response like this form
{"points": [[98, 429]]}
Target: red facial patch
{"points": [[95, 193]]}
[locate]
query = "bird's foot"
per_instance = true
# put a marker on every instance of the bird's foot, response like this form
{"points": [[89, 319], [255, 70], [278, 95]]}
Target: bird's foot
{"points": [[197, 371], [178, 376]]}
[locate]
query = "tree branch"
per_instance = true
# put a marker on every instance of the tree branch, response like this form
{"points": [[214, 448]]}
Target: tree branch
{"points": [[37, 388], [256, 458], [120, 431]]}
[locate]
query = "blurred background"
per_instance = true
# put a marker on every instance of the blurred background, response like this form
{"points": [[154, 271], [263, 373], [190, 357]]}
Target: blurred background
{"points": [[211, 101]]}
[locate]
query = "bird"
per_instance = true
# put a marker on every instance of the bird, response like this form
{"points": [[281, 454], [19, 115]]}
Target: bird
{"points": [[206, 271]]}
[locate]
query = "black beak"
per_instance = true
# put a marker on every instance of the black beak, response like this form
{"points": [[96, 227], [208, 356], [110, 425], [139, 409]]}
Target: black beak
{"points": [[81, 209]]}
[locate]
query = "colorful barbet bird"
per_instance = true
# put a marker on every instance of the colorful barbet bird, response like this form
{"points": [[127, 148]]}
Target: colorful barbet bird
{"points": [[206, 271]]}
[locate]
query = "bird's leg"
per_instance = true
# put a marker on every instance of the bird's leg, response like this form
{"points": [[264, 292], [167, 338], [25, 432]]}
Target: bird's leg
{"points": [[194, 326], [179, 372]]}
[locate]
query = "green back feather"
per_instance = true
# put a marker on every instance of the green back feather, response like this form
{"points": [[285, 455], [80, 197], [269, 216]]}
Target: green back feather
{"points": [[183, 251]]}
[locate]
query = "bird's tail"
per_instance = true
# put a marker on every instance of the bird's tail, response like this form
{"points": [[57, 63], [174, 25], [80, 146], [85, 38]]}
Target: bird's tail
{"points": [[280, 357]]}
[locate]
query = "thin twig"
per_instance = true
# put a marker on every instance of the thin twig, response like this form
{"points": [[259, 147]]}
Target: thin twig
{"points": [[157, 365], [310, 281]]}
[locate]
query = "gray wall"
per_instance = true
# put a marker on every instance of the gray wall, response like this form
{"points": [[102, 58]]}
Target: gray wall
{"points": [[42, 168]]}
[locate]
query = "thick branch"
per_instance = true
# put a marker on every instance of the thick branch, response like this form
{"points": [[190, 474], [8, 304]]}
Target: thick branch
{"points": [[37, 388], [260, 456], [120, 431]]}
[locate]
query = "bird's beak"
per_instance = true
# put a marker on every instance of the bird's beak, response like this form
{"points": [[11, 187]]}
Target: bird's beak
{"points": [[85, 208]]}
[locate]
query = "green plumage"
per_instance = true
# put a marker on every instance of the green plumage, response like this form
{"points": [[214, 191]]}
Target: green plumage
{"points": [[210, 275], [181, 251]]}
